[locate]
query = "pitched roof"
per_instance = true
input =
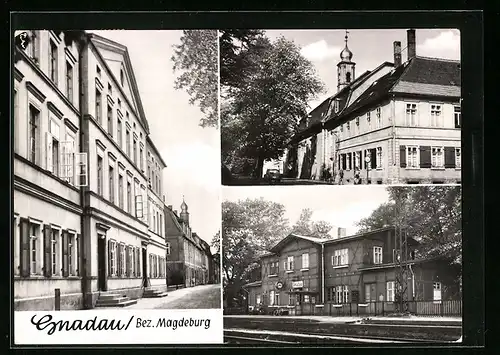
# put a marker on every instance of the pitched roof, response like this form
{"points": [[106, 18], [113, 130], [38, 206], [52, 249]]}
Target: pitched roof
{"points": [[433, 71]]}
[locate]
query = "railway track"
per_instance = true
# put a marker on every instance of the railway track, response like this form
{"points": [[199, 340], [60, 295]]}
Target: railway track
{"points": [[243, 336]]}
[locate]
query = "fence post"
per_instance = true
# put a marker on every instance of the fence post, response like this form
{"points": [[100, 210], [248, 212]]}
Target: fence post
{"points": [[350, 309], [57, 299], [357, 309], [376, 307], [383, 311], [442, 307]]}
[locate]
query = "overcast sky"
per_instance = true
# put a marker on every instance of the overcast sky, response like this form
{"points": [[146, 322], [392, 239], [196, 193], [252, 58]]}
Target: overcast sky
{"points": [[341, 205], [190, 152], [370, 48]]}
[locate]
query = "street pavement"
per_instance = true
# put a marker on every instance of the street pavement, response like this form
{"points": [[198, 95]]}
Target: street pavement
{"points": [[197, 297]]}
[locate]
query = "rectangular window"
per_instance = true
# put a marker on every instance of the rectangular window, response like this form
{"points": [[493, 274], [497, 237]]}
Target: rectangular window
{"points": [[111, 184], [53, 62], [34, 249], [99, 176], [127, 142], [119, 132], [129, 197], [98, 106], [167, 249], [390, 291], [271, 298], [110, 89], [110, 120], [340, 257], [33, 133], [113, 258], [379, 157], [54, 252], [437, 157], [257, 299], [141, 161], [67, 158], [277, 299], [130, 261], [122, 258], [98, 71], [33, 47], [274, 268], [458, 158], [135, 151], [289, 263], [120, 191], [368, 117], [69, 82], [305, 261], [53, 148], [411, 115], [412, 157], [161, 225], [458, 116], [348, 158], [436, 291], [377, 255], [436, 119]]}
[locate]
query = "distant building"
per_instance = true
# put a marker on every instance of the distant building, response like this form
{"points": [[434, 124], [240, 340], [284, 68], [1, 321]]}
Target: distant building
{"points": [[308, 275], [404, 117], [189, 259]]}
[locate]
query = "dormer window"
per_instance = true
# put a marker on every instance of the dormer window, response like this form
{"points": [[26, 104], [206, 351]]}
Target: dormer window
{"points": [[110, 89]]}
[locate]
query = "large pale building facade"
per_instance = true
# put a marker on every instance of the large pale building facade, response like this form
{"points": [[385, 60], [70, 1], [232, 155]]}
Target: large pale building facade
{"points": [[399, 123], [83, 200]]}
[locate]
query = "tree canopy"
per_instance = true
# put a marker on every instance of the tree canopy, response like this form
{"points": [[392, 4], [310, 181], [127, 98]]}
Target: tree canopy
{"points": [[197, 59], [307, 227], [430, 214], [266, 96]]}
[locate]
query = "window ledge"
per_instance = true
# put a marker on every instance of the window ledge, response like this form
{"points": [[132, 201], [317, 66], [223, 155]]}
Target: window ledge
{"points": [[340, 266], [379, 168], [412, 168], [438, 168], [274, 275], [289, 271], [458, 168], [305, 269]]}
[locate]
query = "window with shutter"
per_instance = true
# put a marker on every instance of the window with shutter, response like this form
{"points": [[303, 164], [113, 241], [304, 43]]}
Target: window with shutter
{"points": [[425, 157], [373, 158], [65, 258], [25, 247], [449, 157], [47, 251], [402, 156]]}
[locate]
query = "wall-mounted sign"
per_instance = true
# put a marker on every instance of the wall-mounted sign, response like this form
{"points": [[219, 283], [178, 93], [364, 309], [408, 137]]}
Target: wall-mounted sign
{"points": [[279, 285], [297, 284]]}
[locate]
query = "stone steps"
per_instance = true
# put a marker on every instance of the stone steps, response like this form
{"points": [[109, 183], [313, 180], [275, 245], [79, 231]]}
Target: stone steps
{"points": [[114, 300], [154, 293]]}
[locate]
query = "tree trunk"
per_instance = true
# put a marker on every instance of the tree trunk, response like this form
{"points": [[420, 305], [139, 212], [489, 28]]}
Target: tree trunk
{"points": [[260, 167]]}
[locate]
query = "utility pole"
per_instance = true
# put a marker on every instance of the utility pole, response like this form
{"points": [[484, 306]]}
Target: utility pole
{"points": [[401, 261]]}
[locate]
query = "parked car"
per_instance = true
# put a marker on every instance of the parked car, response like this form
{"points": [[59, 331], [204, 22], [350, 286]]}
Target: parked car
{"points": [[272, 175]]}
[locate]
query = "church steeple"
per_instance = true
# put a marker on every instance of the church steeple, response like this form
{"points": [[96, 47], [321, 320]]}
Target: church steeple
{"points": [[346, 67], [184, 212]]}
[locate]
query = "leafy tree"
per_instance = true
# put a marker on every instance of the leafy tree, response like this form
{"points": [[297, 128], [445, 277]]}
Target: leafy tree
{"points": [[249, 227], [269, 100], [197, 58], [430, 214], [306, 227], [234, 47]]}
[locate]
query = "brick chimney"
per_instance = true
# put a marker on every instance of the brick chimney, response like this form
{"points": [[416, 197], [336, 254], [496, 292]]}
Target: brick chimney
{"points": [[397, 54], [341, 232], [412, 50]]}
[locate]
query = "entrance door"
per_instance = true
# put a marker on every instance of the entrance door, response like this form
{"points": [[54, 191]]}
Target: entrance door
{"points": [[145, 280], [370, 297], [101, 263]]}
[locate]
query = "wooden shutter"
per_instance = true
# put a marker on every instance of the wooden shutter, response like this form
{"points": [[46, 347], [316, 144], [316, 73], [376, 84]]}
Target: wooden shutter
{"points": [[65, 247], [449, 157], [360, 154], [47, 250], [127, 259], [373, 158], [78, 243], [110, 245], [425, 157], [402, 156], [25, 247]]}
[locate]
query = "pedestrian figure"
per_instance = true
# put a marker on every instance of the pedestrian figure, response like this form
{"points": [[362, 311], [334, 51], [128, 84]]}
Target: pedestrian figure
{"points": [[341, 177], [357, 179]]}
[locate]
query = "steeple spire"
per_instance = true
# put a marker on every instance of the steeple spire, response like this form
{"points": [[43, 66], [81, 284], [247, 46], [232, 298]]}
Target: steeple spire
{"points": [[346, 37], [345, 68]]}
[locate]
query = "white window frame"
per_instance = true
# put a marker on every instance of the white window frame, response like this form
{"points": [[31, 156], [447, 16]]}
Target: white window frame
{"points": [[67, 158], [69, 89], [377, 255], [436, 112], [457, 116], [437, 160], [271, 298], [55, 253], [53, 67], [290, 263], [53, 134], [98, 106], [131, 260], [411, 114], [258, 299], [390, 287], [437, 291], [458, 158], [36, 240], [305, 261], [357, 160], [340, 257], [34, 141], [379, 158], [113, 258], [417, 150], [123, 259]]}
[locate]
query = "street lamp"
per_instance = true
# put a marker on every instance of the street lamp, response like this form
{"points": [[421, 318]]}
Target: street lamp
{"points": [[367, 161]]}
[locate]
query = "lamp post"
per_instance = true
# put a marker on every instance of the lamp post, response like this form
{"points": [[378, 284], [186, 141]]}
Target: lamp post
{"points": [[367, 161]]}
